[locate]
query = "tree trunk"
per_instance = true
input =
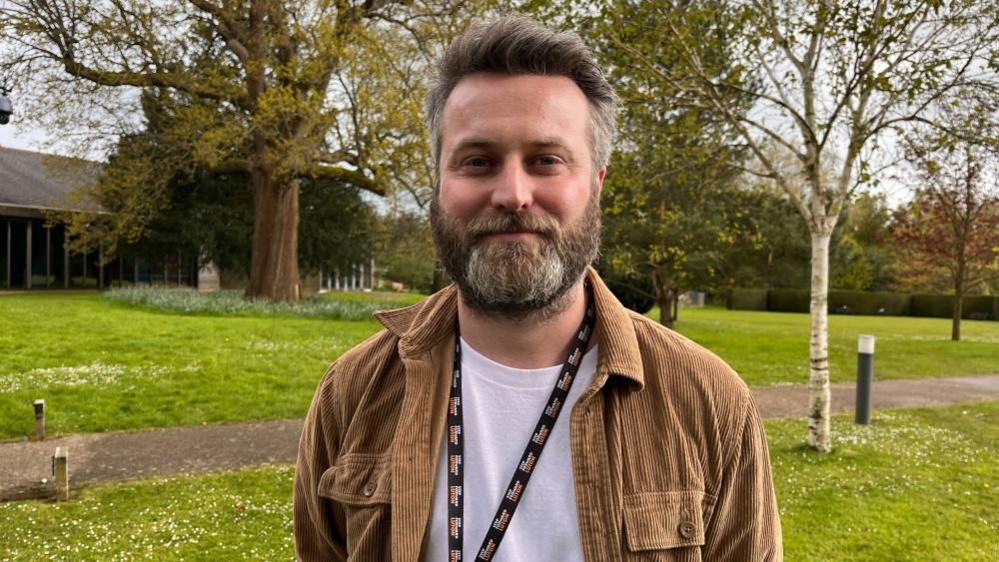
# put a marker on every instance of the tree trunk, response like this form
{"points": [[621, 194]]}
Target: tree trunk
{"points": [[665, 309], [819, 433], [664, 298], [274, 260], [955, 327]]}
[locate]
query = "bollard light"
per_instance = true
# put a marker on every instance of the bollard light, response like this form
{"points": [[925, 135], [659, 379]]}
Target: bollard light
{"points": [[865, 378], [60, 473], [39, 419]]}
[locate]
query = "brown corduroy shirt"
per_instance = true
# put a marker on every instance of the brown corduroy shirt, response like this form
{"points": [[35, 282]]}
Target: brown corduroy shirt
{"points": [[669, 457]]}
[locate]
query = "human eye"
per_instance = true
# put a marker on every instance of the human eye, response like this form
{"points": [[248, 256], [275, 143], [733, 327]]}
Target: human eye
{"points": [[476, 164], [547, 163]]}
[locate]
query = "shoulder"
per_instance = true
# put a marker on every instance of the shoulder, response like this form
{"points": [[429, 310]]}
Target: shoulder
{"points": [[348, 378], [691, 378]]}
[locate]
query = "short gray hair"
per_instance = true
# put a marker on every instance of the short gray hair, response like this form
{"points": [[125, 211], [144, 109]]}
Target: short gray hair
{"points": [[520, 45]]}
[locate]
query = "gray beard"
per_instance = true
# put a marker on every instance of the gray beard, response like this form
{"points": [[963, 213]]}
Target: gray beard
{"points": [[522, 279]]}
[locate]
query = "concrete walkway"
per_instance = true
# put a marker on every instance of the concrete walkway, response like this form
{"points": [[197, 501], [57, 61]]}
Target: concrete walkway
{"points": [[119, 456]]}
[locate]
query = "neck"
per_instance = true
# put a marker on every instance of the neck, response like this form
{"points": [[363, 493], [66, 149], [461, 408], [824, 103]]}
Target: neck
{"points": [[533, 341]]}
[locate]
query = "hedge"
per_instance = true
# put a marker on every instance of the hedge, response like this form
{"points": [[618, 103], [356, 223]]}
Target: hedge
{"points": [[747, 299], [875, 303], [788, 300], [878, 303], [942, 306]]}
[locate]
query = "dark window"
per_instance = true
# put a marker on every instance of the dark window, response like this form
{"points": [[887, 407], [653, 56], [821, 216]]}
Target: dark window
{"points": [[39, 255], [3, 253], [58, 263], [19, 253]]}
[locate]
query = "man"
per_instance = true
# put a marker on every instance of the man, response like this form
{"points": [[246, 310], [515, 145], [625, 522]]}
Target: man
{"points": [[523, 414]]}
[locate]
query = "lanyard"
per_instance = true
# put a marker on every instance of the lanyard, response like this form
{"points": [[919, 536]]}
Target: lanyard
{"points": [[521, 476]]}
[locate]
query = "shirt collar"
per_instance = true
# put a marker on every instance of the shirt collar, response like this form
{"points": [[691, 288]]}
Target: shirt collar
{"points": [[423, 325]]}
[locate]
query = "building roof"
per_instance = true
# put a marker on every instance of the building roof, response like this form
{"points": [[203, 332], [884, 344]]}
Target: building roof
{"points": [[33, 180]]}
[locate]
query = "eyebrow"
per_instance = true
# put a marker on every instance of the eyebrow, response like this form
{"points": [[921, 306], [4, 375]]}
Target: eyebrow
{"points": [[480, 142]]}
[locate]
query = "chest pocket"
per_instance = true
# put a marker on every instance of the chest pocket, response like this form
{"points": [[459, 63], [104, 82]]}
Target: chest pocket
{"points": [[361, 486], [665, 526]]}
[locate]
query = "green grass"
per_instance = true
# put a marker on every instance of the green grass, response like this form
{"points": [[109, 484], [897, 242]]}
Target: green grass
{"points": [[102, 366], [917, 485], [768, 348], [381, 297], [241, 515]]}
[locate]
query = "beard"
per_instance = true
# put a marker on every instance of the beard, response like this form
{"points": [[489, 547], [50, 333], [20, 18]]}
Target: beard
{"points": [[520, 278]]}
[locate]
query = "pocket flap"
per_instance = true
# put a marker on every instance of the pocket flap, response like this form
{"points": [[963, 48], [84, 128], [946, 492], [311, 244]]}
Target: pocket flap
{"points": [[661, 520], [357, 480]]}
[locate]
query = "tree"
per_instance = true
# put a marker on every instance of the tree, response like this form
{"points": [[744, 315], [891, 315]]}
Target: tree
{"points": [[667, 212], [277, 91], [953, 224], [837, 78]]}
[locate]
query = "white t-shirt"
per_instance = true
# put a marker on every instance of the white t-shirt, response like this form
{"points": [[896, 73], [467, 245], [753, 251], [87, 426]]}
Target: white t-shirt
{"points": [[501, 408]]}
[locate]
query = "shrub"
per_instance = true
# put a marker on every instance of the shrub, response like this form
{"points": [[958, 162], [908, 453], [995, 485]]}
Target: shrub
{"points": [[233, 302], [979, 307], [866, 303], [633, 291], [747, 299], [932, 306], [788, 300]]}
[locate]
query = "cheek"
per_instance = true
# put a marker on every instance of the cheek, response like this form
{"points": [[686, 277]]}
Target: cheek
{"points": [[461, 201]]}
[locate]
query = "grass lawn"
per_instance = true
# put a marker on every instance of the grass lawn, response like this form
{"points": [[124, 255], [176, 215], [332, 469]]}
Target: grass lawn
{"points": [[768, 348], [103, 366], [916, 485]]}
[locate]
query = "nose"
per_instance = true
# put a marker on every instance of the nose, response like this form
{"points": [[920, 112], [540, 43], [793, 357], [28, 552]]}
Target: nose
{"points": [[513, 190]]}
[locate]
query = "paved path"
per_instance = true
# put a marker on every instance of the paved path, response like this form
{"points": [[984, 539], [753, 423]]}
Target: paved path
{"points": [[118, 456]]}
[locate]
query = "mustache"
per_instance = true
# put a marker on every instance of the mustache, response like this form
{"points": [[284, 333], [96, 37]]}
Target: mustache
{"points": [[480, 227]]}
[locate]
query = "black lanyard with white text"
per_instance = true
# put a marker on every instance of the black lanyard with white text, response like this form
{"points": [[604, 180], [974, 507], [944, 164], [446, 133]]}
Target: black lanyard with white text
{"points": [[518, 483]]}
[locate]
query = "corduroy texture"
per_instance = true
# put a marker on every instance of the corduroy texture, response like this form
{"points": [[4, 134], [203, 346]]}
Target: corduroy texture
{"points": [[670, 461]]}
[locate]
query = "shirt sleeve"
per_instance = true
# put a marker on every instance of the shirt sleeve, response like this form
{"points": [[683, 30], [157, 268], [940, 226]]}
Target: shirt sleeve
{"points": [[318, 523], [745, 523]]}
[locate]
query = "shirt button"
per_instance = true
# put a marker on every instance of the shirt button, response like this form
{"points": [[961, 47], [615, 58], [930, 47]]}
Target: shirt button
{"points": [[686, 529], [369, 489]]}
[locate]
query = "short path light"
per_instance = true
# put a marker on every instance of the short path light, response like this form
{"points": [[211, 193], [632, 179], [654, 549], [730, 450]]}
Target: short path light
{"points": [[865, 378], [39, 419], [60, 472]]}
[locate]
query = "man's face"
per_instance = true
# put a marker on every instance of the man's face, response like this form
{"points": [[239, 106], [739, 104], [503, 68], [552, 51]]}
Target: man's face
{"points": [[517, 216]]}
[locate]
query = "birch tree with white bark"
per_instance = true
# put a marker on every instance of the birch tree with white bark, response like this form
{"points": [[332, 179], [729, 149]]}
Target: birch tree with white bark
{"points": [[833, 82]]}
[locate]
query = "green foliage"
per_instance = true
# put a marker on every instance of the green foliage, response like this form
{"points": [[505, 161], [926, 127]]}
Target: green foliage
{"points": [[668, 216], [788, 300], [234, 303], [635, 291], [942, 306], [404, 249], [747, 299], [773, 249], [869, 303]]}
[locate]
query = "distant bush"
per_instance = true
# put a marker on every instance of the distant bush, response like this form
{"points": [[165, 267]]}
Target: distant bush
{"points": [[788, 300], [869, 303], [633, 291], [979, 307], [976, 307], [747, 299], [932, 306], [233, 302]]}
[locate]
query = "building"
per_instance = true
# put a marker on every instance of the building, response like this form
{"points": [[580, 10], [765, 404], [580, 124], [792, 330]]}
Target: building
{"points": [[33, 253]]}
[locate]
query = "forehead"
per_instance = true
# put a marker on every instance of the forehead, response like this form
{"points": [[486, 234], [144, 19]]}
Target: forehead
{"points": [[490, 105]]}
